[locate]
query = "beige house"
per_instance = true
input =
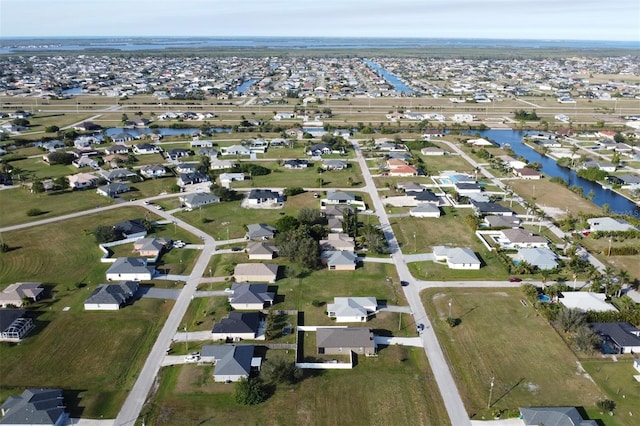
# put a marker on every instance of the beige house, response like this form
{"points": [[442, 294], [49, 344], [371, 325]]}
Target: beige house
{"points": [[256, 272], [14, 294], [338, 241], [342, 341], [261, 250]]}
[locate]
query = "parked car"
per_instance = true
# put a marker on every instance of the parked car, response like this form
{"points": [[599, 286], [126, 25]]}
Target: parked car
{"points": [[514, 280], [236, 248], [192, 357], [159, 207], [404, 283], [420, 327]]}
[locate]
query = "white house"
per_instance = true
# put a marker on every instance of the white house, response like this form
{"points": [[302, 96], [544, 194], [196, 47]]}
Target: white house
{"points": [[352, 309], [130, 269], [609, 224], [109, 297], [82, 181], [425, 210], [456, 258], [227, 178]]}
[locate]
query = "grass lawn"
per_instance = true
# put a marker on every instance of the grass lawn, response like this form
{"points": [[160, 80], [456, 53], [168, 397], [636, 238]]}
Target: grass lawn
{"points": [[500, 338], [94, 356], [615, 378], [394, 388], [600, 249], [36, 167], [280, 177], [550, 194], [447, 162], [16, 202]]}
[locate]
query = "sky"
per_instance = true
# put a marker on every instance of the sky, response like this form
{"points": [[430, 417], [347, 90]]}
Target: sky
{"points": [[502, 19]]}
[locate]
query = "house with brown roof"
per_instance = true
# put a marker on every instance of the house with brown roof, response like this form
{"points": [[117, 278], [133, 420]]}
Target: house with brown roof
{"points": [[337, 241], [342, 341]]}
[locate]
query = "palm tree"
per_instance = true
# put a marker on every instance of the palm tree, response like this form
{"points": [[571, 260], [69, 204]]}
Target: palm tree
{"points": [[624, 278], [608, 273]]}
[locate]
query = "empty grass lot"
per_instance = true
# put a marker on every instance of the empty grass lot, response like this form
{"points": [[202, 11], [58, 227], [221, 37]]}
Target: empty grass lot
{"points": [[395, 388], [94, 356], [550, 194], [281, 177], [499, 337]]}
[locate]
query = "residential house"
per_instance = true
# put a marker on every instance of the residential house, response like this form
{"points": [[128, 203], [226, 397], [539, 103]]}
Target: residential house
{"points": [[114, 160], [424, 196], [402, 170], [432, 151], [217, 164], [337, 241], [263, 196], [117, 149], [14, 325], [187, 167], [527, 173], [284, 116], [560, 416], [515, 238], [540, 257], [109, 297], [338, 211], [502, 221], [512, 163], [85, 141], [479, 142], [131, 229], [410, 186], [609, 224], [85, 162], [259, 231], [35, 407], [130, 269], [258, 272], [425, 210], [234, 150], [600, 165], [232, 362], [145, 148], [227, 178], [153, 171], [15, 294], [250, 296], [319, 149], [150, 248], [52, 145], [586, 301], [339, 197], [258, 146], [198, 199], [82, 181], [339, 260], [296, 164], [342, 341], [119, 175], [334, 165], [260, 250], [456, 258], [122, 138], [238, 326], [467, 188], [113, 189], [619, 337], [489, 208], [176, 153], [278, 143], [185, 179], [197, 143], [352, 309]]}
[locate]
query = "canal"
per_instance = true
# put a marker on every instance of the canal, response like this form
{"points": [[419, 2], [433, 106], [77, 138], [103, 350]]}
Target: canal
{"points": [[390, 78], [617, 203]]}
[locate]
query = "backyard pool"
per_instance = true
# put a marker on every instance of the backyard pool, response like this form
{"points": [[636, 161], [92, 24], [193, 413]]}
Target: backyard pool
{"points": [[544, 298]]}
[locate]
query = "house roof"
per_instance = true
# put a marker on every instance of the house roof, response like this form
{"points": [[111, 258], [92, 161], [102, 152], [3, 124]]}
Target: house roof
{"points": [[622, 333], [501, 221], [251, 293], [586, 301], [260, 247], [554, 416], [267, 270], [130, 227], [199, 199], [110, 294], [256, 230], [490, 207], [335, 163], [351, 337], [519, 235], [338, 241], [340, 196], [425, 208], [8, 316], [238, 322], [456, 255], [337, 210], [114, 188], [148, 244], [543, 258], [410, 186], [231, 360], [19, 290], [425, 196], [257, 194], [352, 306], [34, 407], [129, 265], [339, 257]]}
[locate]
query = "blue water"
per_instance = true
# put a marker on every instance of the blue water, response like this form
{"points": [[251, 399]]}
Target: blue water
{"points": [[161, 43], [246, 85], [617, 203], [314, 130], [72, 91], [392, 79], [164, 131], [544, 298]]}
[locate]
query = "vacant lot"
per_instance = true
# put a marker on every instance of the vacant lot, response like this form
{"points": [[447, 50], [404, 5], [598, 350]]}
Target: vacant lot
{"points": [[95, 356], [550, 194], [499, 338], [395, 388]]}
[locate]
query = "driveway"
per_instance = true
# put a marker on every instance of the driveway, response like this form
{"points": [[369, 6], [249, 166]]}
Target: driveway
{"points": [[401, 341], [394, 308], [158, 293], [420, 257], [375, 259]]}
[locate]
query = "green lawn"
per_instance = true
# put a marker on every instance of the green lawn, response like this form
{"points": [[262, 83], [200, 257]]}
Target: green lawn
{"points": [[498, 337], [16, 202], [395, 388], [37, 167], [94, 356]]}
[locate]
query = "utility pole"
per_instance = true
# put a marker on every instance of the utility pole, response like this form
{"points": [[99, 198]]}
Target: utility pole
{"points": [[186, 339], [490, 392], [450, 303]]}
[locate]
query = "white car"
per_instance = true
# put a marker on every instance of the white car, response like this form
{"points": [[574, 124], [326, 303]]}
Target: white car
{"points": [[192, 357], [158, 207]]}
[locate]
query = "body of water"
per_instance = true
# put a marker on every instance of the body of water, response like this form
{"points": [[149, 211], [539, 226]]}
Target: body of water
{"points": [[73, 91], [162, 43], [390, 78], [164, 131], [246, 85], [617, 203]]}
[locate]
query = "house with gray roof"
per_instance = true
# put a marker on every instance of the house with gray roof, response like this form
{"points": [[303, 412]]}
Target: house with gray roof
{"points": [[238, 326], [502, 221], [118, 175], [339, 197], [540, 257], [342, 341], [35, 407], [250, 296], [14, 324], [260, 250], [259, 231], [235, 150], [15, 293], [199, 199], [352, 309], [114, 189], [263, 196], [334, 165], [554, 416], [481, 208], [259, 272], [232, 362], [621, 337], [109, 297], [456, 258], [514, 238], [609, 224], [132, 228], [339, 260], [130, 269], [153, 171], [425, 210]]}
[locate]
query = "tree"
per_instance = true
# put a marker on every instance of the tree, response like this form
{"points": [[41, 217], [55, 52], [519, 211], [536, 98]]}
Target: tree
{"points": [[374, 239], [51, 129], [104, 234], [287, 223], [279, 370], [298, 245], [310, 216], [570, 319], [61, 183], [250, 392], [585, 340], [60, 157], [37, 186], [271, 325]]}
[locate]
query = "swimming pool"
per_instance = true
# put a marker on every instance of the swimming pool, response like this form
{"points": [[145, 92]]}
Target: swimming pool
{"points": [[544, 298]]}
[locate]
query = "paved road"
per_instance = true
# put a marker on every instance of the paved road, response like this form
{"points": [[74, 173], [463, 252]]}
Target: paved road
{"points": [[453, 402]]}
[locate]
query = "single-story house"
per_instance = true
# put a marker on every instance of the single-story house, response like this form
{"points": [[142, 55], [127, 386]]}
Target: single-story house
{"points": [[16, 293], [234, 150], [623, 337], [403, 171], [278, 143], [352, 309], [217, 164], [14, 325], [260, 272], [586, 301], [197, 143], [150, 247], [122, 137], [35, 407], [187, 167], [338, 211], [296, 164], [502, 221], [259, 231], [456, 258], [261, 250], [117, 149], [176, 153], [185, 179], [425, 210], [342, 341], [334, 165], [153, 171], [130, 269], [540, 257], [199, 199], [232, 362], [145, 148], [237, 326], [133, 228], [432, 151], [560, 416], [424, 196], [85, 162], [339, 260], [263, 196], [227, 178], [118, 175], [527, 173], [479, 142], [514, 238], [250, 296], [339, 197], [112, 190], [482, 208], [319, 149], [410, 186], [335, 223], [338, 241], [52, 145], [109, 297], [609, 224], [466, 188]]}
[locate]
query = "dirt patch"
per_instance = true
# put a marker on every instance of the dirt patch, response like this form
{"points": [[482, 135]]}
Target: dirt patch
{"points": [[532, 387]]}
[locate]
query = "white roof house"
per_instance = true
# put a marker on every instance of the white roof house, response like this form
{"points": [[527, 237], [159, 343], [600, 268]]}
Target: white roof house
{"points": [[130, 269], [586, 301], [608, 224], [456, 258], [259, 272], [541, 257], [352, 309], [425, 210]]}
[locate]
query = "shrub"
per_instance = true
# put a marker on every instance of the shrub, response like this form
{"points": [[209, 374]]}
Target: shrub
{"points": [[317, 303], [250, 392], [34, 212]]}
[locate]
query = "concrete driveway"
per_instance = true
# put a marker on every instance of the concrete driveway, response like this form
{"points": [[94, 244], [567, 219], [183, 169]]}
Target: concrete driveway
{"points": [[158, 293], [401, 341]]}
